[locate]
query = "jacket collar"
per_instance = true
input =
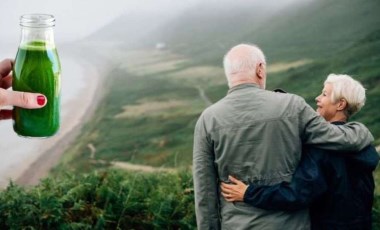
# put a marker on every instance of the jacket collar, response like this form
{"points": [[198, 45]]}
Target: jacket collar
{"points": [[338, 122], [243, 86]]}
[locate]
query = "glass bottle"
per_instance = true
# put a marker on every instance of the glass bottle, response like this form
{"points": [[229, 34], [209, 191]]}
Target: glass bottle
{"points": [[37, 69]]}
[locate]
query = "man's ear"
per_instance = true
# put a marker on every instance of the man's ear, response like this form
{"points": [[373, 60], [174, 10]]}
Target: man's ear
{"points": [[342, 104], [260, 70]]}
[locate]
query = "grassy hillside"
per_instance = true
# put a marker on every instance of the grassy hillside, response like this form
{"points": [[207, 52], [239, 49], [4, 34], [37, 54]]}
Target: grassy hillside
{"points": [[307, 29], [148, 115], [318, 30]]}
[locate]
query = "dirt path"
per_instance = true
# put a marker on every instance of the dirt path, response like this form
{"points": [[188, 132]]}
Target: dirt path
{"points": [[203, 95], [134, 167], [125, 165], [137, 167]]}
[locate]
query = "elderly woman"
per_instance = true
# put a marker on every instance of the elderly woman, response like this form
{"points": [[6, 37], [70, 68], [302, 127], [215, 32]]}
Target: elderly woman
{"points": [[337, 188]]}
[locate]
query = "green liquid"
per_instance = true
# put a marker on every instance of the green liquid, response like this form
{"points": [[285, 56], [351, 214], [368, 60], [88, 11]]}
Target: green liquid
{"points": [[37, 69]]}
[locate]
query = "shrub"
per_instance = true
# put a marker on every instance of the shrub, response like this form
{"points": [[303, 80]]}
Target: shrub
{"points": [[101, 200]]}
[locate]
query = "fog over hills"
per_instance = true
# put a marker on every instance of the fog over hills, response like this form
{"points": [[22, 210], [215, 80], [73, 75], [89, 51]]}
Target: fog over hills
{"points": [[284, 29], [196, 22]]}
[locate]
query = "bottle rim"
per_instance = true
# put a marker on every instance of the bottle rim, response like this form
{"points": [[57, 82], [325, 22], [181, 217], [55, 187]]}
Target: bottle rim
{"points": [[37, 20]]}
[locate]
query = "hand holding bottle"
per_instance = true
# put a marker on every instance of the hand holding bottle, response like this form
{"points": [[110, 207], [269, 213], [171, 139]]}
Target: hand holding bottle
{"points": [[37, 69], [15, 98]]}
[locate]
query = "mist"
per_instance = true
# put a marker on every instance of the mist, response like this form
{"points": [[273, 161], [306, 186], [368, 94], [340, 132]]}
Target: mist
{"points": [[78, 19]]}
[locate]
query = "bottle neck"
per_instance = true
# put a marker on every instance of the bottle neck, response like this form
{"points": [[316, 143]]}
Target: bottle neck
{"points": [[41, 36]]}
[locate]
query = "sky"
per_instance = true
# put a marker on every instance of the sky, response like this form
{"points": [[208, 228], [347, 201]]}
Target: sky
{"points": [[77, 18]]}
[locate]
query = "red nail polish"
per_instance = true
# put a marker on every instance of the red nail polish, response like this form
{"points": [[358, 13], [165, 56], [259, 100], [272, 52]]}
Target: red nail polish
{"points": [[40, 100]]}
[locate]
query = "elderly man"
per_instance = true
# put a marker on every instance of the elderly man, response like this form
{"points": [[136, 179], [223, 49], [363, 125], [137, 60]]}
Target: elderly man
{"points": [[256, 135]]}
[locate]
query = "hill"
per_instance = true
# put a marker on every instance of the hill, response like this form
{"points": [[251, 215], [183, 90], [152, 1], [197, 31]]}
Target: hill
{"points": [[307, 29], [286, 29]]}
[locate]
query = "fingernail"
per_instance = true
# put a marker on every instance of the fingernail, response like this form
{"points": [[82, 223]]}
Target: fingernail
{"points": [[41, 100]]}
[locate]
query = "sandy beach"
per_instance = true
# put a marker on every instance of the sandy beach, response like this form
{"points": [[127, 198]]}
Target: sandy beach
{"points": [[27, 160]]}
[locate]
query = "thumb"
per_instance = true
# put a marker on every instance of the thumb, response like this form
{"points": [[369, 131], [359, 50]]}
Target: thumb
{"points": [[22, 99]]}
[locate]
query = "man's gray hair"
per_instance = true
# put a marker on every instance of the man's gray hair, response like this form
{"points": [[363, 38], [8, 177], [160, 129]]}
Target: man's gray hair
{"points": [[242, 63], [345, 87]]}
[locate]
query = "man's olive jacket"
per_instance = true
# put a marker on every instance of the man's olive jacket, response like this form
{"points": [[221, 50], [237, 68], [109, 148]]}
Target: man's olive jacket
{"points": [[256, 135]]}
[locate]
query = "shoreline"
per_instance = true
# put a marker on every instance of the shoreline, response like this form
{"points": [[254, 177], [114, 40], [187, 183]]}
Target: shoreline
{"points": [[52, 152]]}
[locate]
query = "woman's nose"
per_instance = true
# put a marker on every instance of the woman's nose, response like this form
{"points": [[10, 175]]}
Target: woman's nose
{"points": [[317, 98]]}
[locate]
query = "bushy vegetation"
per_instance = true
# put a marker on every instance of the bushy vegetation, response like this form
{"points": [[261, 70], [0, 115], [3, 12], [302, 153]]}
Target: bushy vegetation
{"points": [[108, 199], [101, 200]]}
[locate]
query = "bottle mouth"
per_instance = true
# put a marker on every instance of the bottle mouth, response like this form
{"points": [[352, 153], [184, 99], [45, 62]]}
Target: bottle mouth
{"points": [[37, 20]]}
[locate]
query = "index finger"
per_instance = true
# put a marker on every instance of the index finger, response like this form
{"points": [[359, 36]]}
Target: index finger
{"points": [[5, 67], [223, 185], [225, 190], [228, 186]]}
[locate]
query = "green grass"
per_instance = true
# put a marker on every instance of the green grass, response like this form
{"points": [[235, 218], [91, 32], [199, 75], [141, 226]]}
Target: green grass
{"points": [[101, 200], [162, 139]]}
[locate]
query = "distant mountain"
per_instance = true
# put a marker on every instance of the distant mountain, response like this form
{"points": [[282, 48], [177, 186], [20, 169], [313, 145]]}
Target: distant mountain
{"points": [[319, 29], [218, 22], [209, 29], [309, 29], [286, 30], [306, 29], [133, 30]]}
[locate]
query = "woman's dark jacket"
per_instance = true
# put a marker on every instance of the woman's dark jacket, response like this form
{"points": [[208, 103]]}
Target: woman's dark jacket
{"points": [[337, 187]]}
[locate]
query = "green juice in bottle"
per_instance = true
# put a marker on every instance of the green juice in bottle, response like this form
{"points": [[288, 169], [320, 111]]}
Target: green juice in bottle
{"points": [[37, 69]]}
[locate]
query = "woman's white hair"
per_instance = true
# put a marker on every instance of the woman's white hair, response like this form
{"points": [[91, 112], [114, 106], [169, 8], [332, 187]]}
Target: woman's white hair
{"points": [[243, 62], [345, 87]]}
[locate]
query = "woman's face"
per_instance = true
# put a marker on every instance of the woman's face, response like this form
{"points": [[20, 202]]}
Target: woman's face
{"points": [[325, 107]]}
